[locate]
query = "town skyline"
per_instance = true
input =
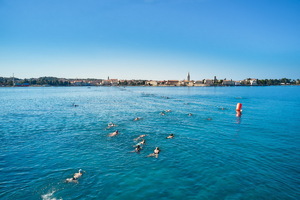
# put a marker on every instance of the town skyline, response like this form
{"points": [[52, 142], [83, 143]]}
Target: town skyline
{"points": [[188, 76], [54, 81]]}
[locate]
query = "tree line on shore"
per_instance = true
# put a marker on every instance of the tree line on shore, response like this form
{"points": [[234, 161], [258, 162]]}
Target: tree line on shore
{"points": [[54, 81], [51, 81], [284, 81]]}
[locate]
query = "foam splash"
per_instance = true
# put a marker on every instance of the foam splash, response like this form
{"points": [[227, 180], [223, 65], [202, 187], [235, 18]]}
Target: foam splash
{"points": [[49, 196]]}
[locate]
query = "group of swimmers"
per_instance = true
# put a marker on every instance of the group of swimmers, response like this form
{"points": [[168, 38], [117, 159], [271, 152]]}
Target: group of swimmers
{"points": [[138, 147], [166, 111], [157, 150], [142, 142]]}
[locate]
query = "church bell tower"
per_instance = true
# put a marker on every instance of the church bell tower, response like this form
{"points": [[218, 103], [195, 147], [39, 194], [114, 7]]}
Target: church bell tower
{"points": [[188, 77]]}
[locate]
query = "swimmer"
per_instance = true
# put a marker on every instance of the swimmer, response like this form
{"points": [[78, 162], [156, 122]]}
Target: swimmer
{"points": [[156, 150], [140, 143], [69, 180], [162, 113], [137, 118], [155, 153], [75, 177], [171, 136], [141, 136], [113, 134], [137, 149], [110, 125], [168, 110], [143, 142], [190, 114], [78, 174], [209, 119]]}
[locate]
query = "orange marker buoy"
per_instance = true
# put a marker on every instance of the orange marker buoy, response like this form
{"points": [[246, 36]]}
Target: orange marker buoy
{"points": [[238, 107]]}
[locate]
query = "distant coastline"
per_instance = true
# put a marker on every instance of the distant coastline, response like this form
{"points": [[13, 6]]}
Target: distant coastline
{"points": [[54, 81]]}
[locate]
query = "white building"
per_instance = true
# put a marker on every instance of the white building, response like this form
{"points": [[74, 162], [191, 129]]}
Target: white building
{"points": [[253, 82], [228, 82], [152, 83], [209, 81], [237, 83]]}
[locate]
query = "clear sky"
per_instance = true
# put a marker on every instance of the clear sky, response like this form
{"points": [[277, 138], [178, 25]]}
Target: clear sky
{"points": [[150, 39]]}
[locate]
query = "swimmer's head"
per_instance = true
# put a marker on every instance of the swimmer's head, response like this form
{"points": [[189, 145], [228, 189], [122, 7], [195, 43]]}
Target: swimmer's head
{"points": [[80, 170]]}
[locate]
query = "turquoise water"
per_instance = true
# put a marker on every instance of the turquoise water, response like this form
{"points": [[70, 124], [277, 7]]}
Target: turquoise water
{"points": [[44, 140]]}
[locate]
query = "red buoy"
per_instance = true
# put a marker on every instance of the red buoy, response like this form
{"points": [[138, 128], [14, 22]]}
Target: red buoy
{"points": [[238, 107]]}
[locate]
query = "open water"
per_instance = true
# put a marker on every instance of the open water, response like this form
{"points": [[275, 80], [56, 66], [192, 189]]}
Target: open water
{"points": [[214, 154]]}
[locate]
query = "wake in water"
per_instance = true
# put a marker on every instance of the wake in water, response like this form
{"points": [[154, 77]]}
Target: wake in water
{"points": [[74, 179], [49, 196]]}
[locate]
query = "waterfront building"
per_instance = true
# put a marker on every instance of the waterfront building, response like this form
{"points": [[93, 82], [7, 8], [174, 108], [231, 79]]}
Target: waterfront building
{"points": [[173, 83], [187, 83], [110, 82], [253, 81], [199, 83], [209, 81], [237, 83], [152, 83], [161, 83], [228, 82]]}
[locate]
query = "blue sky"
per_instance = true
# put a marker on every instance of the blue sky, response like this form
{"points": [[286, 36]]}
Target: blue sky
{"points": [[150, 39]]}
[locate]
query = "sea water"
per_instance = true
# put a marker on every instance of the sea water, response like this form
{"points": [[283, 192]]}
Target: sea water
{"points": [[214, 154]]}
